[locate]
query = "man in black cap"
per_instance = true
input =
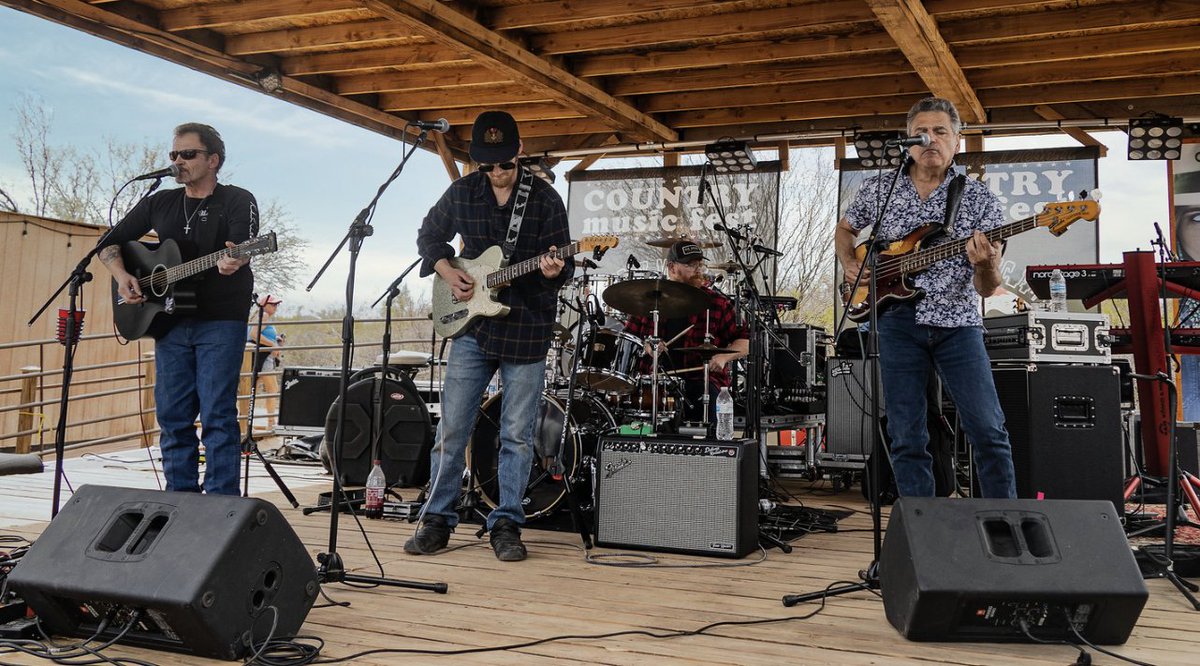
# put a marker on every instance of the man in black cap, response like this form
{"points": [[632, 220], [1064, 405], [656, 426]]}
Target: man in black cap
{"points": [[480, 207], [685, 263]]}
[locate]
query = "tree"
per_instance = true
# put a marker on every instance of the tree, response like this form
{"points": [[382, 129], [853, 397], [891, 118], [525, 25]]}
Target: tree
{"points": [[808, 198], [86, 186]]}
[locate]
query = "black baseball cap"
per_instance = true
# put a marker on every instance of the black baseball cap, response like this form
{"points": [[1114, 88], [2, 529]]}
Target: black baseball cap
{"points": [[683, 252], [494, 138]]}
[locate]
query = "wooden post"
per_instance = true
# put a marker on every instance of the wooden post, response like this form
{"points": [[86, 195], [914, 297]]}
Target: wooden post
{"points": [[244, 387], [147, 399], [26, 415]]}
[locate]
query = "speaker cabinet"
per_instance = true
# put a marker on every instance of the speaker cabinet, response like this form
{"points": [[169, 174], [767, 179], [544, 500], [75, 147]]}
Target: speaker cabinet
{"points": [[849, 427], [305, 396], [1064, 422], [678, 495], [974, 569], [208, 575]]}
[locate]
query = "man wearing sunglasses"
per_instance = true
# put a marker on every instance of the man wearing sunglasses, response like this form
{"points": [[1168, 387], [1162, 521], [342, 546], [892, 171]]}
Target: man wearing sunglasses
{"points": [[479, 207], [198, 356]]}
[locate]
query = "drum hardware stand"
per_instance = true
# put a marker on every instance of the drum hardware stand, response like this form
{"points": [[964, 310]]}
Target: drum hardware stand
{"points": [[330, 568], [870, 575], [556, 466], [249, 444]]}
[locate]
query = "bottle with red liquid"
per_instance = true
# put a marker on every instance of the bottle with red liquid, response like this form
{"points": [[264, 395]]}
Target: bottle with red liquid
{"points": [[376, 486]]}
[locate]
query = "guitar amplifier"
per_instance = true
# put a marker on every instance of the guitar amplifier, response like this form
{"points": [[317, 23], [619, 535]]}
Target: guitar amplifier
{"points": [[1052, 337], [678, 495], [305, 395]]}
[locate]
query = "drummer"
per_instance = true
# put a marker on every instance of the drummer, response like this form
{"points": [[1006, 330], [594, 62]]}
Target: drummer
{"points": [[685, 264]]}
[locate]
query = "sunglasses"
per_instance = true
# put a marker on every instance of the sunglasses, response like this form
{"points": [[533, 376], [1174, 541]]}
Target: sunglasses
{"points": [[503, 166], [187, 154]]}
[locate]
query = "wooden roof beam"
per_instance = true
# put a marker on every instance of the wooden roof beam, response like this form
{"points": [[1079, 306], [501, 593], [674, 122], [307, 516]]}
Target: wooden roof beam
{"points": [[447, 26], [781, 20], [1129, 88], [192, 17], [917, 35], [444, 152], [358, 33], [523, 113], [446, 77], [415, 55], [1108, 43], [555, 12], [1050, 113], [867, 86], [478, 96], [794, 112], [1125, 16]]}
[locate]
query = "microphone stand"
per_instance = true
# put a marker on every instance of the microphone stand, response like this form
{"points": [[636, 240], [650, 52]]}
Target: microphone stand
{"points": [[72, 331], [330, 567], [870, 575], [249, 444]]}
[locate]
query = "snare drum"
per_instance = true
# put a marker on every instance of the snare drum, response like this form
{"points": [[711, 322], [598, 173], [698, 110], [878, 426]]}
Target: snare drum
{"points": [[609, 361], [636, 405]]}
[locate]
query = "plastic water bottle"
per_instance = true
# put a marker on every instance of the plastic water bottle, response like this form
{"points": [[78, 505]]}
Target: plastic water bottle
{"points": [[1058, 291], [376, 485], [724, 414]]}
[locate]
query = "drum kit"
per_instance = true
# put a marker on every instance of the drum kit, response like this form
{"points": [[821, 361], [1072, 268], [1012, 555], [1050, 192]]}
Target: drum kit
{"points": [[597, 381]]}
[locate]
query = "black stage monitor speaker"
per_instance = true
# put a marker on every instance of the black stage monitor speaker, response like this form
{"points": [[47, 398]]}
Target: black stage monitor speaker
{"points": [[407, 437], [678, 494], [1064, 422], [974, 569], [208, 575]]}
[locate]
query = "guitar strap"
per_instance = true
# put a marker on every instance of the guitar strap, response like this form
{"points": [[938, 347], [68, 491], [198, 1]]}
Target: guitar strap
{"points": [[524, 187], [953, 198]]}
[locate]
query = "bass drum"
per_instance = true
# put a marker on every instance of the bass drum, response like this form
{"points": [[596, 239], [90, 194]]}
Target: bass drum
{"points": [[589, 420]]}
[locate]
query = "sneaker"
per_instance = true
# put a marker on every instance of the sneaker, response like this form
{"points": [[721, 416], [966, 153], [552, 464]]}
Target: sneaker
{"points": [[506, 541], [432, 536]]}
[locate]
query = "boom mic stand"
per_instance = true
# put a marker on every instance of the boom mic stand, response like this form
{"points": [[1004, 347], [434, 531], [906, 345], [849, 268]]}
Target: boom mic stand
{"points": [[72, 329], [331, 568], [249, 444], [870, 575]]}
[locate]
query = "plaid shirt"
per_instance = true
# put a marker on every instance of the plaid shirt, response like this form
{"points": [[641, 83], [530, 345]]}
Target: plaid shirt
{"points": [[469, 208], [723, 325]]}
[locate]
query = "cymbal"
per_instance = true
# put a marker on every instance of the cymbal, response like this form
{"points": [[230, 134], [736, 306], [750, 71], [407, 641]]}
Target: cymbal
{"points": [[642, 297], [705, 349], [727, 266], [669, 241]]}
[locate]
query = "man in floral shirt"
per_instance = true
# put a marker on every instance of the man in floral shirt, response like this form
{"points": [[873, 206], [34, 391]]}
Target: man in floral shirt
{"points": [[942, 331]]}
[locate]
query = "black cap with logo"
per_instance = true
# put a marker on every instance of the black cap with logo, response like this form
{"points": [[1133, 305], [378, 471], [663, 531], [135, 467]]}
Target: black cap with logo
{"points": [[684, 252], [494, 138]]}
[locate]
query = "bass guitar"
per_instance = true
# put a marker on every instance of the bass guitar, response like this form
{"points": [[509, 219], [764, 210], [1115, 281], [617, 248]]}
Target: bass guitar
{"points": [[903, 259], [162, 275], [451, 316]]}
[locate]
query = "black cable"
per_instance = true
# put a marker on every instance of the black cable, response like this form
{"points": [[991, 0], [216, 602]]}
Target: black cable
{"points": [[541, 641], [1097, 648], [1083, 659]]}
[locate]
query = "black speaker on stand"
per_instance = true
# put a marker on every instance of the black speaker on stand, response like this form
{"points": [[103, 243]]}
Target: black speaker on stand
{"points": [[209, 575]]}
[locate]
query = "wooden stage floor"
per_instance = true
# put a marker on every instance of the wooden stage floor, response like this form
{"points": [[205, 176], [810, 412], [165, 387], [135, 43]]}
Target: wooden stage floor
{"points": [[558, 592]]}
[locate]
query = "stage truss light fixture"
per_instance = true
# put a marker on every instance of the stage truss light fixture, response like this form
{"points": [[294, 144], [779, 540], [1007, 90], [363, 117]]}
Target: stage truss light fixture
{"points": [[878, 150], [729, 156], [1155, 138], [540, 167]]}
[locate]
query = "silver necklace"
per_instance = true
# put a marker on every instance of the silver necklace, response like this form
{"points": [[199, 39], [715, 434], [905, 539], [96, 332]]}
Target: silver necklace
{"points": [[187, 219]]}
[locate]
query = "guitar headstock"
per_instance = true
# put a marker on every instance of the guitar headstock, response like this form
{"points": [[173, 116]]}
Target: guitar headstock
{"points": [[255, 246], [1058, 215], [601, 243]]}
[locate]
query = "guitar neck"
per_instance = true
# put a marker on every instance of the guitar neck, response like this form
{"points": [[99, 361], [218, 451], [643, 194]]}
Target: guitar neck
{"points": [[925, 258], [510, 273], [189, 268]]}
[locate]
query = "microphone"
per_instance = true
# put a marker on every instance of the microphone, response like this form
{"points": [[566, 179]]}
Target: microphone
{"points": [[763, 249], [586, 263], [632, 262], [918, 140], [703, 184], [1162, 242], [729, 230], [440, 125], [172, 171]]}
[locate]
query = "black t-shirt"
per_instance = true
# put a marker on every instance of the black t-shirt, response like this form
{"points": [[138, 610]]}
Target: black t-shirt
{"points": [[201, 227]]}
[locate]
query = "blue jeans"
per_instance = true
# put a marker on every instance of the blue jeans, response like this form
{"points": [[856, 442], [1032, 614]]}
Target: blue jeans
{"points": [[1189, 387], [197, 364], [907, 352], [467, 374]]}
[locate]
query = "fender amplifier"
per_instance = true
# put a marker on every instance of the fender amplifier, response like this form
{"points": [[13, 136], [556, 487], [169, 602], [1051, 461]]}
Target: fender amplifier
{"points": [[208, 575], [678, 494], [305, 395]]}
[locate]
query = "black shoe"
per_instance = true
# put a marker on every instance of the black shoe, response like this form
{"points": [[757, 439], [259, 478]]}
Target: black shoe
{"points": [[432, 536], [506, 541]]}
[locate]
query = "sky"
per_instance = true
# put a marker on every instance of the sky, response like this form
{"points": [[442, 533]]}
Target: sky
{"points": [[325, 171]]}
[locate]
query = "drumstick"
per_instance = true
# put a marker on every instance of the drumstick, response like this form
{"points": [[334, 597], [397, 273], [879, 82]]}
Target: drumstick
{"points": [[680, 372], [676, 338]]}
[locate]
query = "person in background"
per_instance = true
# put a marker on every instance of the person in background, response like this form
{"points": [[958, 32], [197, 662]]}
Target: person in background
{"points": [[267, 359]]}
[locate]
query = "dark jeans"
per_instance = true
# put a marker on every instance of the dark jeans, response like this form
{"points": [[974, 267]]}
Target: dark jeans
{"points": [[908, 351]]}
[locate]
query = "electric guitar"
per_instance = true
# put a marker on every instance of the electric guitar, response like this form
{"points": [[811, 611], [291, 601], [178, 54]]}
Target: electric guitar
{"points": [[451, 316], [904, 258], [162, 275]]}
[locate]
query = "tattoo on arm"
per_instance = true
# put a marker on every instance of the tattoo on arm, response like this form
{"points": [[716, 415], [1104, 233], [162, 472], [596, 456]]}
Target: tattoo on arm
{"points": [[109, 253]]}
